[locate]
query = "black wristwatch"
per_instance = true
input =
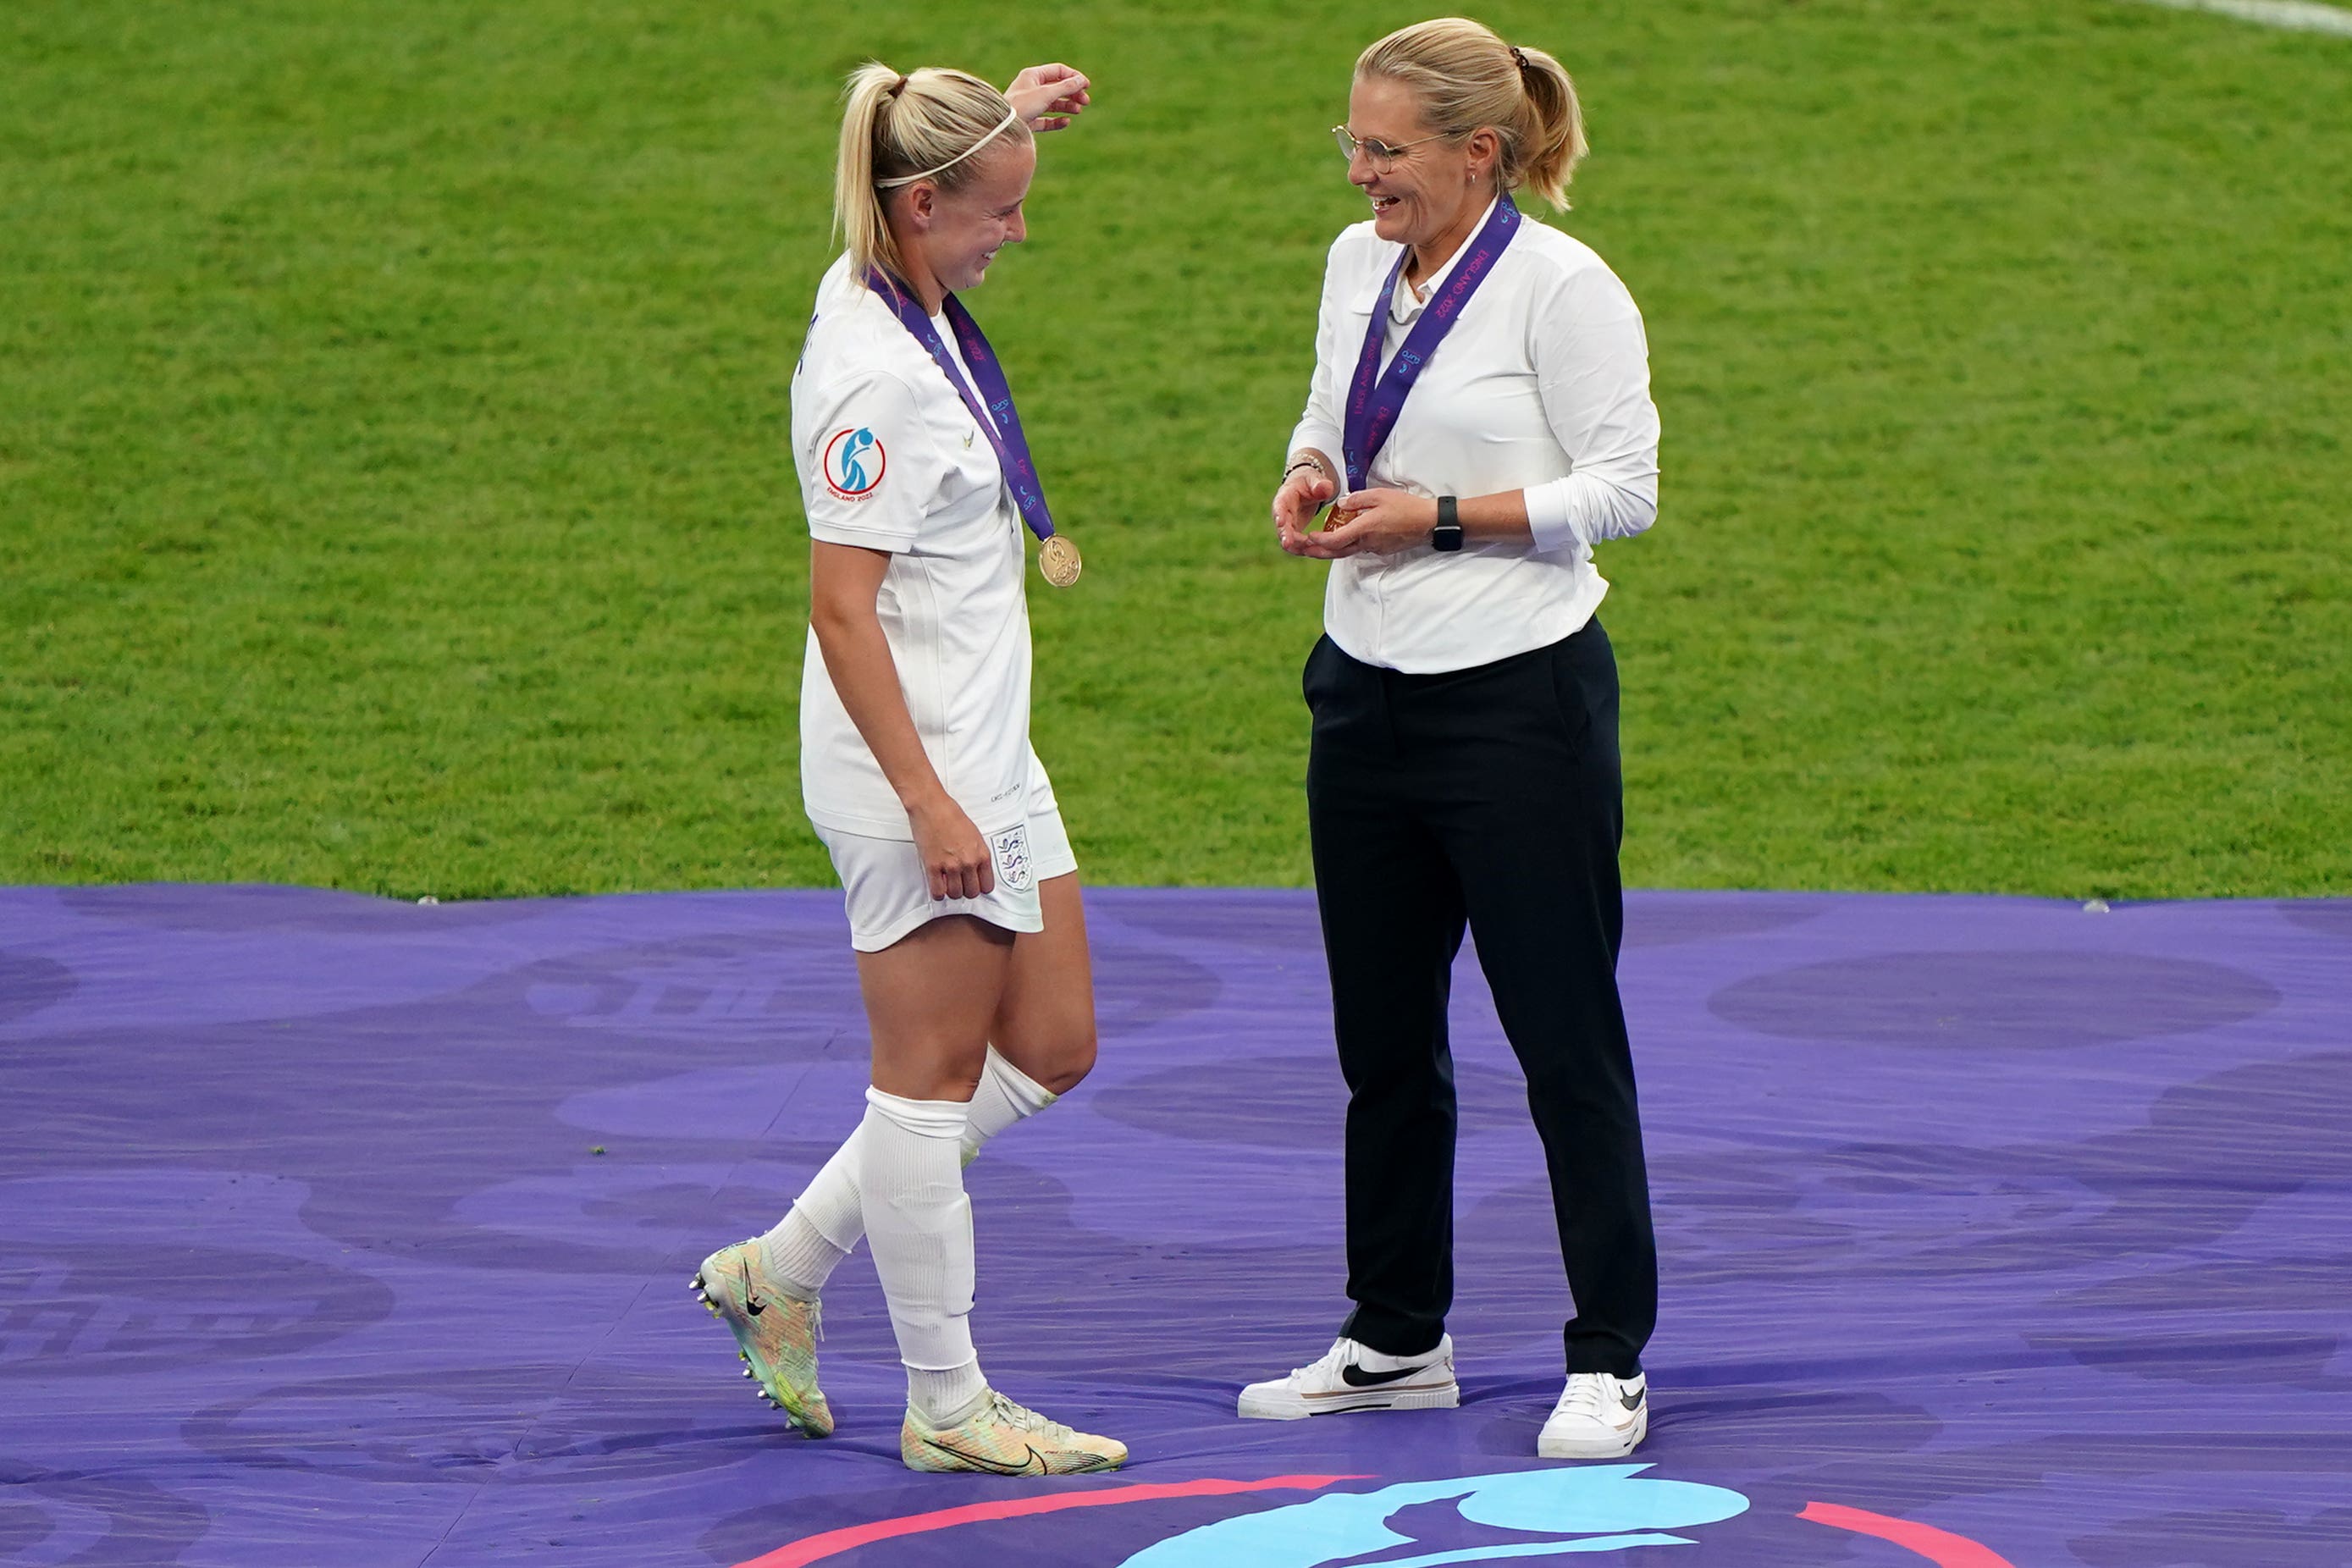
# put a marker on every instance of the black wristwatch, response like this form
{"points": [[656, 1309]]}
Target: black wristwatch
{"points": [[1447, 534]]}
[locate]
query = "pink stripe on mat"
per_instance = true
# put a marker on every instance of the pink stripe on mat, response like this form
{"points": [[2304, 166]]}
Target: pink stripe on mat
{"points": [[833, 1543], [1939, 1546]]}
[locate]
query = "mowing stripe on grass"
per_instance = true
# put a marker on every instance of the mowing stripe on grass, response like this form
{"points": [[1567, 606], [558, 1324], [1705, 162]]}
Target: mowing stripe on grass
{"points": [[2300, 15]]}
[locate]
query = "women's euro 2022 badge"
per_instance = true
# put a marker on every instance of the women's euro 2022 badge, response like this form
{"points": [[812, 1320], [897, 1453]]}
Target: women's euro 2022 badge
{"points": [[854, 464], [1057, 560]]}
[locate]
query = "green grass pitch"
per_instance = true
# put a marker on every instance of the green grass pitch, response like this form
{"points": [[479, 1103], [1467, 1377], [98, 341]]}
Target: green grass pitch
{"points": [[395, 490]]}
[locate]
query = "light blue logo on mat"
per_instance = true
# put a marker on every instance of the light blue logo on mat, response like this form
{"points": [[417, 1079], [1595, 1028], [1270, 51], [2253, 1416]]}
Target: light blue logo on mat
{"points": [[1593, 1508]]}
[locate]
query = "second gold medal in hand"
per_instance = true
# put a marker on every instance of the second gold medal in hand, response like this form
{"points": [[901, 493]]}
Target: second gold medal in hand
{"points": [[1057, 561]]}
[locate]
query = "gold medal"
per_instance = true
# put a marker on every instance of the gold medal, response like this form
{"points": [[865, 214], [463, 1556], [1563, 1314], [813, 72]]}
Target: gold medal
{"points": [[1057, 560]]}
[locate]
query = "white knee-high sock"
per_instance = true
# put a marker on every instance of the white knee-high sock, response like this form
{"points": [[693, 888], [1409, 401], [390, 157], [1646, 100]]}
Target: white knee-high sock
{"points": [[920, 1223], [1005, 1095], [826, 1221], [822, 1226]]}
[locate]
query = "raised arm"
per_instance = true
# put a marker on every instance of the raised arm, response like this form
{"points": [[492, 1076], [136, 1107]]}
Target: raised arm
{"points": [[1049, 96]]}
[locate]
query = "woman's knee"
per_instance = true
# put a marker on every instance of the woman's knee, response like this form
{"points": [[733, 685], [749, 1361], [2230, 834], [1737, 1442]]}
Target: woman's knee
{"points": [[929, 1068], [1057, 1057]]}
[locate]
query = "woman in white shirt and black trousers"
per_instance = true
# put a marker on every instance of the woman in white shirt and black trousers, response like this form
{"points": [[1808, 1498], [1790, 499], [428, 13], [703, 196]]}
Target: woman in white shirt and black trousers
{"points": [[1480, 416]]}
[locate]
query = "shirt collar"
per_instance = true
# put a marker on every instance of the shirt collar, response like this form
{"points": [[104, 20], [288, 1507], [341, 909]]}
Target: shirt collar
{"points": [[1373, 298]]}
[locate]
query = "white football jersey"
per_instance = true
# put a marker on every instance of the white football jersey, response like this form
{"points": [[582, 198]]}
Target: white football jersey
{"points": [[891, 459]]}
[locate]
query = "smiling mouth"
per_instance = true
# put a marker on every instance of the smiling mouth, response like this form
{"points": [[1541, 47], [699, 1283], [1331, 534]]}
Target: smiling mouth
{"points": [[1382, 203]]}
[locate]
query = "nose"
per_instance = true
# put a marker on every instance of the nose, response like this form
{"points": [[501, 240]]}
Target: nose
{"points": [[1017, 231], [1359, 167]]}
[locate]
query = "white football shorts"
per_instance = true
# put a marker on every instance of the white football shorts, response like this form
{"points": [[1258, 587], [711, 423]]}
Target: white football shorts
{"points": [[889, 895]]}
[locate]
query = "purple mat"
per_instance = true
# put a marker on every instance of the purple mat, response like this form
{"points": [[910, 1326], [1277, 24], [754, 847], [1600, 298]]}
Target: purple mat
{"points": [[341, 1231]]}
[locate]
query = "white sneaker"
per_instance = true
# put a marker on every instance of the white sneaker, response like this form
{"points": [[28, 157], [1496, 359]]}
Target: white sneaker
{"points": [[1597, 1417], [1343, 1380]]}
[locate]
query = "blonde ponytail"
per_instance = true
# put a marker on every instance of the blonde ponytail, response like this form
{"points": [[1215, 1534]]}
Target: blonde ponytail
{"points": [[896, 130], [1464, 77], [858, 220], [1553, 143]]}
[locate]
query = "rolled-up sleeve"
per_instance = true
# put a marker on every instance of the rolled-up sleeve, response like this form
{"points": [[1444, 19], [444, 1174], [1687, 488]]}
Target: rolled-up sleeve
{"points": [[1320, 428], [1593, 369]]}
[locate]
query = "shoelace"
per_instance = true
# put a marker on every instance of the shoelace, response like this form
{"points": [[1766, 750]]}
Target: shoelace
{"points": [[776, 1293], [1028, 1420], [1585, 1395], [1330, 1358]]}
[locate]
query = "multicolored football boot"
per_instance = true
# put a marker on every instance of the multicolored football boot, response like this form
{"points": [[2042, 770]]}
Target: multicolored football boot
{"points": [[1000, 1438], [775, 1334]]}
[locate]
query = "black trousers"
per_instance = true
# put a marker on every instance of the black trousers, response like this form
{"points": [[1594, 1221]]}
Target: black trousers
{"points": [[1493, 796]]}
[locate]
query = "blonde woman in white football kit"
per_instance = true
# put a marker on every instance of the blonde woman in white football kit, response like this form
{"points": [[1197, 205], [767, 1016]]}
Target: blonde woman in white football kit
{"points": [[961, 889]]}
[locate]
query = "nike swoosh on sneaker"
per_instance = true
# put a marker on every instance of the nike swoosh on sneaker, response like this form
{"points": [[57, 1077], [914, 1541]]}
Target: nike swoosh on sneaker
{"points": [[1034, 1465], [751, 1302], [1355, 1376], [1633, 1401]]}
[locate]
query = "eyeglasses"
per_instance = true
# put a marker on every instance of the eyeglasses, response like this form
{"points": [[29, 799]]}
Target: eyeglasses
{"points": [[1379, 153]]}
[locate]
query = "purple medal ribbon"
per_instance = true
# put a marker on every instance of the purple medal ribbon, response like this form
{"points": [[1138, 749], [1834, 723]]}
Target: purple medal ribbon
{"points": [[999, 420], [1374, 400]]}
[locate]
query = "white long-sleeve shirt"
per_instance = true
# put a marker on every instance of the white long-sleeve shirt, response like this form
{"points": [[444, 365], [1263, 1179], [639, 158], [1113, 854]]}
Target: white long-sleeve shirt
{"points": [[1543, 386]]}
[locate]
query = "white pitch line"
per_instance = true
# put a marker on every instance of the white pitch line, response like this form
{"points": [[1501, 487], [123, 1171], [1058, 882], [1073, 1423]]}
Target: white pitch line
{"points": [[2300, 15]]}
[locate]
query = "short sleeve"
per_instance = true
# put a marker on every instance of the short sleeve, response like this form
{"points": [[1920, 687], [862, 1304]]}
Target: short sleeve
{"points": [[870, 466]]}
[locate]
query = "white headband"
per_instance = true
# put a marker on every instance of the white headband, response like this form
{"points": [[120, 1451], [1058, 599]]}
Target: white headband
{"points": [[1001, 127]]}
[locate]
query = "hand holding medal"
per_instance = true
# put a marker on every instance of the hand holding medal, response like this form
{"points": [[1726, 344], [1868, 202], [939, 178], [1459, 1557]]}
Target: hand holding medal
{"points": [[1388, 520], [1306, 487], [1376, 522]]}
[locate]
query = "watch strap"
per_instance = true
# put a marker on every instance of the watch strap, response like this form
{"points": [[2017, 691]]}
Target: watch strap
{"points": [[1447, 534]]}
